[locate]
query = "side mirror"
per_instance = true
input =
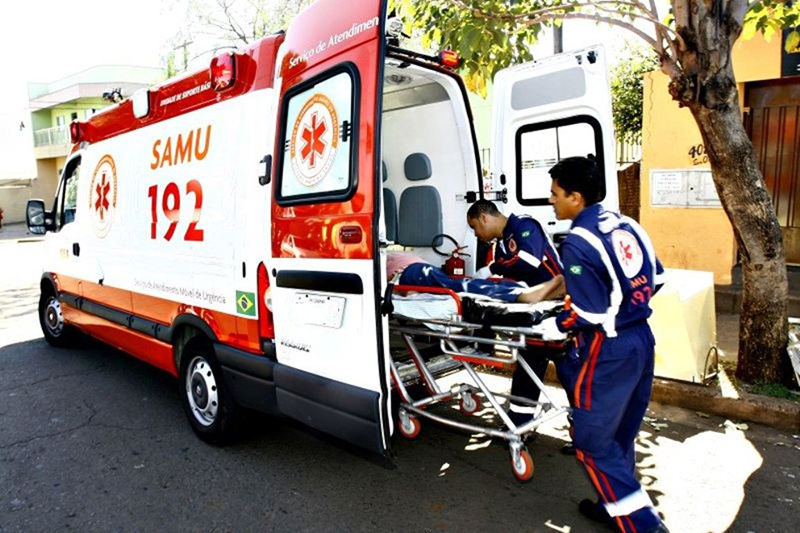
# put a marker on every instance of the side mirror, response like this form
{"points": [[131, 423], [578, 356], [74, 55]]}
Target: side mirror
{"points": [[35, 216]]}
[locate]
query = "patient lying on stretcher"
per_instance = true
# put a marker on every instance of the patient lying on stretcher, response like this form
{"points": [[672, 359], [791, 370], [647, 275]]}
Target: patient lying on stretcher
{"points": [[409, 269]]}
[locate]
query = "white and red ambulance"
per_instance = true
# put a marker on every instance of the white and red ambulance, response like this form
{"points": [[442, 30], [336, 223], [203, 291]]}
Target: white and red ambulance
{"points": [[230, 226]]}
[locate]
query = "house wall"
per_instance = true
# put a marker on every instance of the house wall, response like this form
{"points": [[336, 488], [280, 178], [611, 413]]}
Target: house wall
{"points": [[692, 238], [14, 200]]}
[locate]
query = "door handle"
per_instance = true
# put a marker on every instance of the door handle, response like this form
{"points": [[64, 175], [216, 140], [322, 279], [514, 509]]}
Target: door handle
{"points": [[265, 170], [76, 249]]}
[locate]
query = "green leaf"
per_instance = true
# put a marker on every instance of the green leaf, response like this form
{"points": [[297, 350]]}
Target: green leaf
{"points": [[792, 43]]}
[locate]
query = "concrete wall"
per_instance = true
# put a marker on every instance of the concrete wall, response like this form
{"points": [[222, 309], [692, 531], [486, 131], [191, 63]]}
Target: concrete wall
{"points": [[692, 238], [14, 200]]}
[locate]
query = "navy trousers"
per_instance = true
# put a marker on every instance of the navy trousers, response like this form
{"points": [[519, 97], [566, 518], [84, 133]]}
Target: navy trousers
{"points": [[610, 380], [427, 275]]}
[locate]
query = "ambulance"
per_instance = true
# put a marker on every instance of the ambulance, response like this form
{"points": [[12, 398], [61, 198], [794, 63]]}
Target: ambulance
{"points": [[230, 226]]}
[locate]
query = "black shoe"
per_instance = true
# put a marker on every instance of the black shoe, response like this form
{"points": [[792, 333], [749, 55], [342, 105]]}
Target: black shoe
{"points": [[568, 449], [596, 512]]}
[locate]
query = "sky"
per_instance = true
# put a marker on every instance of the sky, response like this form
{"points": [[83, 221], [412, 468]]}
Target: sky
{"points": [[46, 40]]}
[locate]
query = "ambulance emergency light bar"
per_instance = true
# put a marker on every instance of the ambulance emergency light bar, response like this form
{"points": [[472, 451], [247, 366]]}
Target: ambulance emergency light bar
{"points": [[446, 58], [223, 71], [75, 131]]}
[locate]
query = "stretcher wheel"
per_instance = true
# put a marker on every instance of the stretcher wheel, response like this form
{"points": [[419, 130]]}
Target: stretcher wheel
{"points": [[522, 464], [409, 426], [469, 404]]}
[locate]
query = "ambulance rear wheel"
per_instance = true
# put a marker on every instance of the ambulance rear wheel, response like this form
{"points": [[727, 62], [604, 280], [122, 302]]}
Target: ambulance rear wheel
{"points": [[51, 318], [205, 400]]}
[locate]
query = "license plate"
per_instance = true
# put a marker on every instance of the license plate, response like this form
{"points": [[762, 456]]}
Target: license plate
{"points": [[318, 310]]}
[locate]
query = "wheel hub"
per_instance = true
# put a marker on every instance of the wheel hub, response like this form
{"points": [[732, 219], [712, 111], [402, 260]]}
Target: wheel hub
{"points": [[201, 391], [53, 318]]}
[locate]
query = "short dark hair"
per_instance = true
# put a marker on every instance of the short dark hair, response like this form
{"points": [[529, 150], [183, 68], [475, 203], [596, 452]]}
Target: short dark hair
{"points": [[480, 207], [578, 174]]}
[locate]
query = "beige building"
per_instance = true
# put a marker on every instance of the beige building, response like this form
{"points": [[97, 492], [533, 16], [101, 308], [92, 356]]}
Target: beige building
{"points": [[53, 106], [679, 205]]}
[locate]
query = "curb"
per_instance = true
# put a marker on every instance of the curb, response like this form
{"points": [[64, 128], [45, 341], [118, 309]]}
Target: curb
{"points": [[772, 412]]}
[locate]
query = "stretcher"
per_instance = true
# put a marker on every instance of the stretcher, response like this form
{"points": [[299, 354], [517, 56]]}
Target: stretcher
{"points": [[469, 332]]}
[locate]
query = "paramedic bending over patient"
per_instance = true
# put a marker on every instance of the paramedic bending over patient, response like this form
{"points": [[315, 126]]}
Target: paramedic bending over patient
{"points": [[414, 270], [523, 252]]}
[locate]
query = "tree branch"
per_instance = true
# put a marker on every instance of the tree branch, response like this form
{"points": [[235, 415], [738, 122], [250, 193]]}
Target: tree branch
{"points": [[572, 9], [597, 18]]}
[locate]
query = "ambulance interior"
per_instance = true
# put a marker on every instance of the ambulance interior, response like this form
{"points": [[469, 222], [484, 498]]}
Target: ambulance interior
{"points": [[428, 161], [429, 165]]}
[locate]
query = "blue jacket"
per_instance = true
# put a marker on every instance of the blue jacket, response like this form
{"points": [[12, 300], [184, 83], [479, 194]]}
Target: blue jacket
{"points": [[525, 252], [611, 271]]}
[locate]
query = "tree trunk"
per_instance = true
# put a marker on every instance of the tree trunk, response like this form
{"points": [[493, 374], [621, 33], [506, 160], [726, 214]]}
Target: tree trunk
{"points": [[703, 81], [763, 324]]}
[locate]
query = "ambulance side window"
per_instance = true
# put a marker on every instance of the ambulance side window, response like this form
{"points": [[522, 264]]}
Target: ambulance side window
{"points": [[540, 146], [67, 201], [319, 136]]}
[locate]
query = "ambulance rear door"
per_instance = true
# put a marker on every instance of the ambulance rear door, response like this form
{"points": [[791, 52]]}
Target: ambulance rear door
{"points": [[326, 269], [545, 111]]}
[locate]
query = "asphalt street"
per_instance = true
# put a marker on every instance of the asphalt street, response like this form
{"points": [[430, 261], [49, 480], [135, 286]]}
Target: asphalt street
{"points": [[94, 440]]}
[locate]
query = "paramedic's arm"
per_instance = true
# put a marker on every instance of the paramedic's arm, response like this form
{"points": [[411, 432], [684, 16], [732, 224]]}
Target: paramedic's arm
{"points": [[660, 278], [588, 287]]}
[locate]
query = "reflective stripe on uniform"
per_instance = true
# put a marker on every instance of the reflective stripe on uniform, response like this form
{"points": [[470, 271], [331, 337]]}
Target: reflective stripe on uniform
{"points": [[616, 292], [629, 504], [528, 258]]}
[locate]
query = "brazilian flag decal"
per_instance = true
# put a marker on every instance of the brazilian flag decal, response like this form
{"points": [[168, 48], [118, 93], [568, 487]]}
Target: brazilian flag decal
{"points": [[246, 303]]}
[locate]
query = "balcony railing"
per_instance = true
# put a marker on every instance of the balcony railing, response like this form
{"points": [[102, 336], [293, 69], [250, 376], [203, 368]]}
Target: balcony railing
{"points": [[51, 136]]}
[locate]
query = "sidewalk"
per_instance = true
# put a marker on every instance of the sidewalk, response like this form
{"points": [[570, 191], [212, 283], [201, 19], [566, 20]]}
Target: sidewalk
{"points": [[721, 398], [16, 231]]}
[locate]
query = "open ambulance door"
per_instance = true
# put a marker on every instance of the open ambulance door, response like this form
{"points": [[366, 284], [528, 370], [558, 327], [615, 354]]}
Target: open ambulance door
{"points": [[545, 111], [326, 271]]}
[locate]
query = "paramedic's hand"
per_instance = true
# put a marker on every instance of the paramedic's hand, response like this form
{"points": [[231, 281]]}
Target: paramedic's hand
{"points": [[483, 273]]}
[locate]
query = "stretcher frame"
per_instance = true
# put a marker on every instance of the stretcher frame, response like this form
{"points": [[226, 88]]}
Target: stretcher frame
{"points": [[453, 330]]}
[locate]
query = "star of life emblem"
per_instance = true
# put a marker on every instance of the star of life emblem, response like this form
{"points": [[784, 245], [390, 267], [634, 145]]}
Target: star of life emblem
{"points": [[628, 252], [314, 140], [103, 196]]}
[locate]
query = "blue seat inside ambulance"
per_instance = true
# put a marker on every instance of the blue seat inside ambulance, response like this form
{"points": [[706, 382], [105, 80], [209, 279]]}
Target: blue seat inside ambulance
{"points": [[420, 214], [390, 207]]}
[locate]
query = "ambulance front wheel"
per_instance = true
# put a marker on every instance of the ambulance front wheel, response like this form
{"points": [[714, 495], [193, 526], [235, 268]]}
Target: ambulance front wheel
{"points": [[205, 400], [51, 318]]}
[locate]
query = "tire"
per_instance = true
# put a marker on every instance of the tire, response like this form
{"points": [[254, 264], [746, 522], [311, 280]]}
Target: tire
{"points": [[409, 426], [469, 404], [206, 402], [522, 465], [51, 319]]}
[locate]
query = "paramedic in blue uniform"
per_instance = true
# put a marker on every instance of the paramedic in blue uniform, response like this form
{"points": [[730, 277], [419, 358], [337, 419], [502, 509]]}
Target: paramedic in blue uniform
{"points": [[523, 252], [611, 272]]}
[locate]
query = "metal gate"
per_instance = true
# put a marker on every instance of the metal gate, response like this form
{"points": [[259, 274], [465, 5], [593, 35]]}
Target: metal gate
{"points": [[773, 124]]}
